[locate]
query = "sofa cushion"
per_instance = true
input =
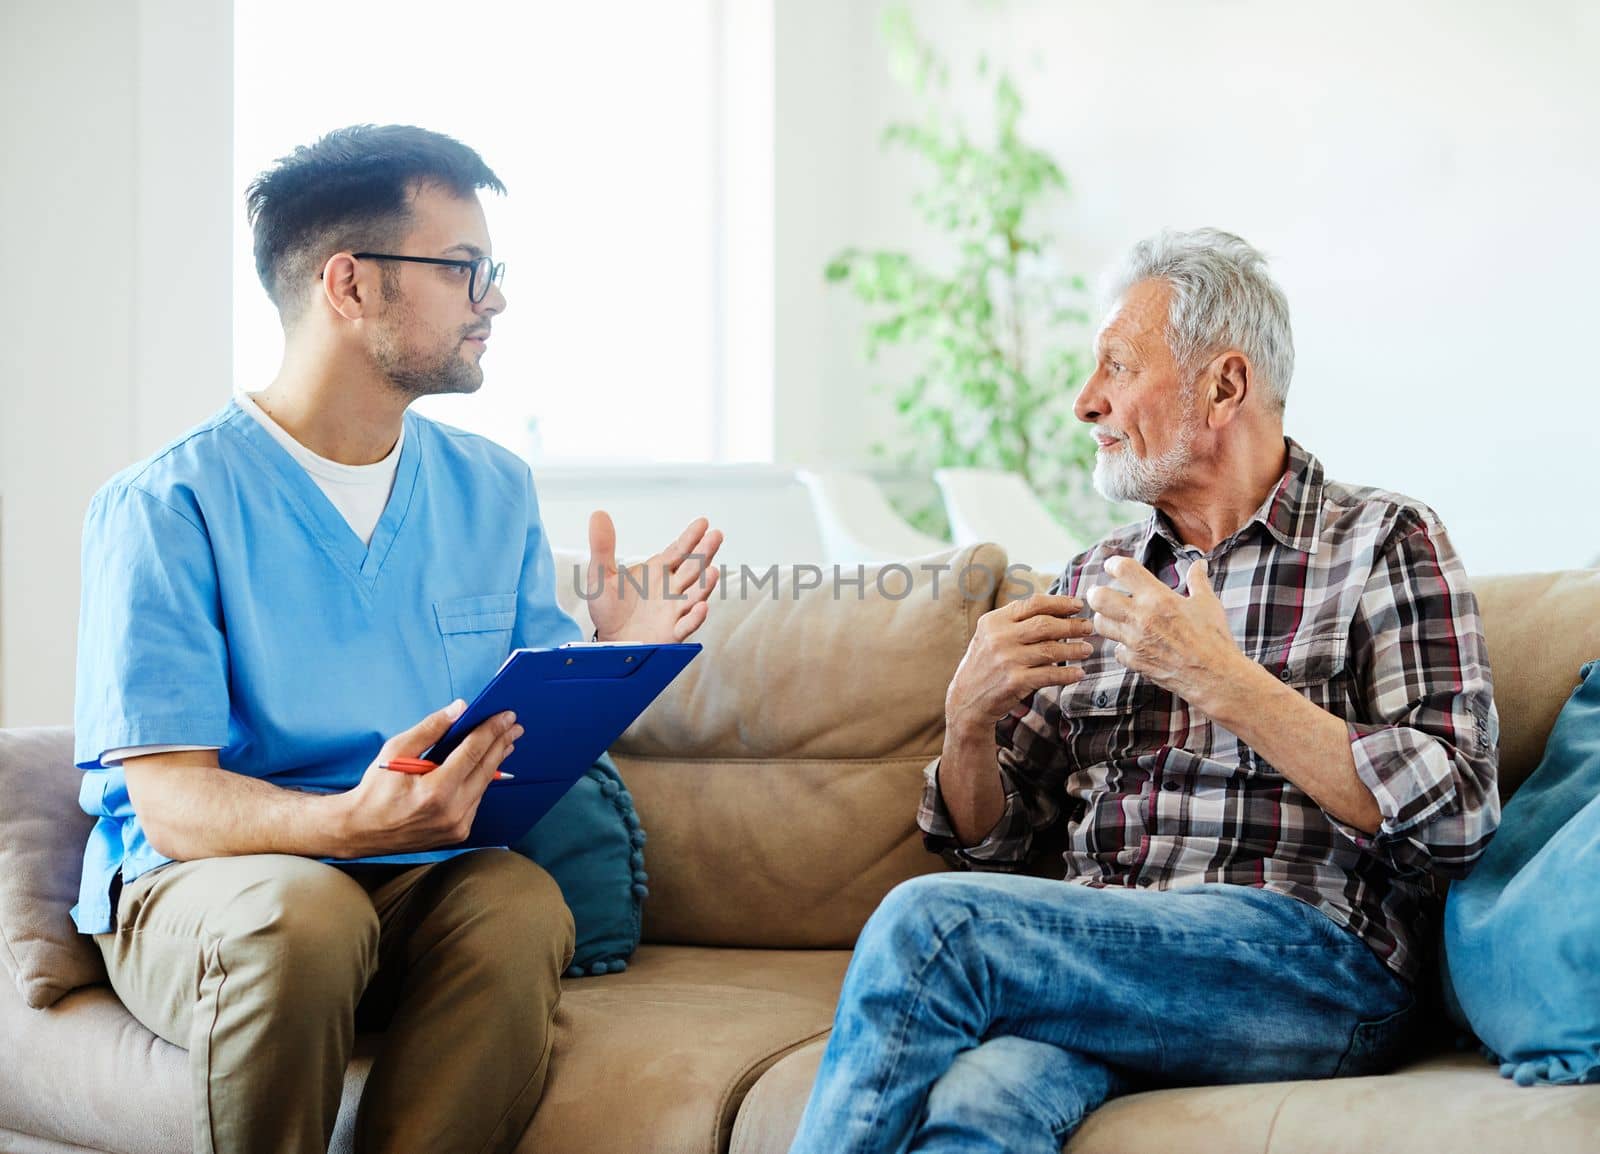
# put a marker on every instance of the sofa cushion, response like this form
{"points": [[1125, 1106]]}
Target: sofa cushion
{"points": [[1540, 627], [1522, 932], [592, 844], [657, 1058], [660, 1057], [770, 1116], [748, 853], [1221, 1120], [94, 1078], [792, 673], [1446, 1102], [42, 835]]}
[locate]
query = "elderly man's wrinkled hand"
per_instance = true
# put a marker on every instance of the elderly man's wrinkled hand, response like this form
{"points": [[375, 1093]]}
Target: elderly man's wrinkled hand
{"points": [[1182, 643], [1016, 651]]}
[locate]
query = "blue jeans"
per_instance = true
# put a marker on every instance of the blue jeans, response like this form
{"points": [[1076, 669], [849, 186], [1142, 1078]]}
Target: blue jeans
{"points": [[993, 1011]]}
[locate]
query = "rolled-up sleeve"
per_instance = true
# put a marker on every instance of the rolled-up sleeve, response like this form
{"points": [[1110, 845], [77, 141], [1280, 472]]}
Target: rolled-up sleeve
{"points": [[1426, 738], [1032, 767]]}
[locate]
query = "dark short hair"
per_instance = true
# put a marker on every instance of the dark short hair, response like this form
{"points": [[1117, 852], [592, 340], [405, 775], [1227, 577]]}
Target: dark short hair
{"points": [[350, 190]]}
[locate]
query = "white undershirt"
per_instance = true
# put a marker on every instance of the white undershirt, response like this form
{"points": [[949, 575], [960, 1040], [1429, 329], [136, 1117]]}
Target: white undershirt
{"points": [[359, 492]]}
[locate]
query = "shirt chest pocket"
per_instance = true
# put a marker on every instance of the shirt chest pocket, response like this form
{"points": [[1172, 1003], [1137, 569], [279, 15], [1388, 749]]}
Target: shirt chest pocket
{"points": [[476, 632], [1314, 665], [1108, 690]]}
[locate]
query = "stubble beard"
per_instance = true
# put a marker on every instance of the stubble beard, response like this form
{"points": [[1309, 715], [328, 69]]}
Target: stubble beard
{"points": [[420, 375], [417, 373]]}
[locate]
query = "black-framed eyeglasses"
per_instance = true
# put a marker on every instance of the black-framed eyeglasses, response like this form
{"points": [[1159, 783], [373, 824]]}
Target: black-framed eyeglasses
{"points": [[483, 271]]}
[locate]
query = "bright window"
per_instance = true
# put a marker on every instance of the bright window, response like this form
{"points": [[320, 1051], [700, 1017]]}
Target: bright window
{"points": [[602, 119]]}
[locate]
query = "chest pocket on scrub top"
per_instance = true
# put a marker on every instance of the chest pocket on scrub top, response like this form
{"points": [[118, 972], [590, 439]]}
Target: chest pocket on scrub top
{"points": [[476, 632]]}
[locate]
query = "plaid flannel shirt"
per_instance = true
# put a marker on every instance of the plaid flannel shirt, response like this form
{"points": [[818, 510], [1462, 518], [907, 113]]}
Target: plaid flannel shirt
{"points": [[1354, 597]]}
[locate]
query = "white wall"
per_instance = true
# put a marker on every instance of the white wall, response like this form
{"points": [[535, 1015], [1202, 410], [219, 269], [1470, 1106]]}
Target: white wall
{"points": [[114, 222], [1424, 177], [764, 510], [824, 77]]}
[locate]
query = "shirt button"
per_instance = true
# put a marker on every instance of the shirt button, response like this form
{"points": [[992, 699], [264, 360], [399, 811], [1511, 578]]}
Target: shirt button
{"points": [[1284, 674], [1100, 700], [1144, 881], [1170, 786]]}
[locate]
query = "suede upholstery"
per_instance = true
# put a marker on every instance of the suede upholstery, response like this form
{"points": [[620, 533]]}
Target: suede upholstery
{"points": [[778, 781], [42, 835]]}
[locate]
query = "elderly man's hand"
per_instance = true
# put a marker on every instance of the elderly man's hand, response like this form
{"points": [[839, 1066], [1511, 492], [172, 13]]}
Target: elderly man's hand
{"points": [[1016, 651], [1181, 643]]}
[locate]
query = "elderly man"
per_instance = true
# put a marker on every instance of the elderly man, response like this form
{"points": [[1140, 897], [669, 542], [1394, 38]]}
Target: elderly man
{"points": [[1257, 778]]}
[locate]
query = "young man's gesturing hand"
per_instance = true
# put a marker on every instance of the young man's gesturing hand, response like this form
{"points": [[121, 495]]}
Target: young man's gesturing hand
{"points": [[660, 600]]}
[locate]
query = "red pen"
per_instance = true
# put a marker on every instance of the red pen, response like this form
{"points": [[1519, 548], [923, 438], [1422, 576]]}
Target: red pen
{"points": [[420, 765]]}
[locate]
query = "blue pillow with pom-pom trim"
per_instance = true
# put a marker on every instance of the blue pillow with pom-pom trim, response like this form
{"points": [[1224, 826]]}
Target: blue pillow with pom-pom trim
{"points": [[593, 846], [1522, 931]]}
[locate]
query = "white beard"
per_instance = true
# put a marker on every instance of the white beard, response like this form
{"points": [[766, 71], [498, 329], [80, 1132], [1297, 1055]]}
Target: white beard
{"points": [[1122, 476]]}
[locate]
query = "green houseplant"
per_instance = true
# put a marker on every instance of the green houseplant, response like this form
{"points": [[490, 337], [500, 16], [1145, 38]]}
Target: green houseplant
{"points": [[1000, 337]]}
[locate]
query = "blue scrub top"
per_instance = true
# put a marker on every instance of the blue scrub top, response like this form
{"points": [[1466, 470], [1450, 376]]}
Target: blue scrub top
{"points": [[226, 602]]}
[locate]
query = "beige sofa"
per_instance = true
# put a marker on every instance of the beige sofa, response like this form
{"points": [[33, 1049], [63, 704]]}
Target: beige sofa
{"points": [[778, 783]]}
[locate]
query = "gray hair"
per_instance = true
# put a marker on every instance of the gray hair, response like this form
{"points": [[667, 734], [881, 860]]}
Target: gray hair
{"points": [[1222, 297]]}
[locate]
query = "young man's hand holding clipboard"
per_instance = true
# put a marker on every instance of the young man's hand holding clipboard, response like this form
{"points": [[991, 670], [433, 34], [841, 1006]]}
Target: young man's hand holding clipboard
{"points": [[432, 780], [405, 811]]}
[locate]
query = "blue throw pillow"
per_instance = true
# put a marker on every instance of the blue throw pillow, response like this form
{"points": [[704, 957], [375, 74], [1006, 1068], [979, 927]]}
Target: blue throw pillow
{"points": [[1522, 932], [593, 846]]}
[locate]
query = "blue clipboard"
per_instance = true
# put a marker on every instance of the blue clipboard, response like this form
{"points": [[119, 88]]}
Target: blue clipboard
{"points": [[573, 702]]}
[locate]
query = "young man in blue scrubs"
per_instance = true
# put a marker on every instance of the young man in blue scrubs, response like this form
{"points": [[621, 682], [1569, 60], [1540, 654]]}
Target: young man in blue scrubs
{"points": [[279, 602]]}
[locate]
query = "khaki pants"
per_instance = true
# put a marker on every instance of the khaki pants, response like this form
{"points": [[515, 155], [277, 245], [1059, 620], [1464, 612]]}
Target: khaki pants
{"points": [[264, 967]]}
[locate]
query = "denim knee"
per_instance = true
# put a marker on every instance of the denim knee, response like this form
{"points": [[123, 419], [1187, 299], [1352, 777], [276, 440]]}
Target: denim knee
{"points": [[996, 1080], [1013, 1094], [918, 914]]}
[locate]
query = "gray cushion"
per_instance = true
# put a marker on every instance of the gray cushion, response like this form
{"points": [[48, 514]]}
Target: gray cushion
{"points": [[42, 834]]}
